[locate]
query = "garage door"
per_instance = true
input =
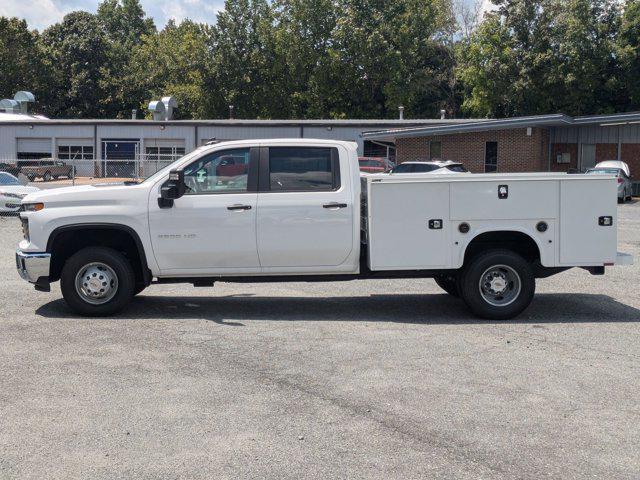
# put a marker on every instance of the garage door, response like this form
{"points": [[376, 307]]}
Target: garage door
{"points": [[33, 148]]}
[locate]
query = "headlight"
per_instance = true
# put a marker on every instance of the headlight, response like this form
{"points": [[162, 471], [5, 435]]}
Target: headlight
{"points": [[32, 207], [11, 195]]}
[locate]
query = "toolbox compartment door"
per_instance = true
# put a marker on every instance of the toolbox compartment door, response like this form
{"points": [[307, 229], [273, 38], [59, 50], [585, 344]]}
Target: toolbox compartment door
{"points": [[522, 200], [409, 227], [583, 241]]}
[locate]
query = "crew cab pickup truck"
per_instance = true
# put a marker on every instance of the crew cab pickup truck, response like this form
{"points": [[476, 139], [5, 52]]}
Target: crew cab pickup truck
{"points": [[279, 210]]}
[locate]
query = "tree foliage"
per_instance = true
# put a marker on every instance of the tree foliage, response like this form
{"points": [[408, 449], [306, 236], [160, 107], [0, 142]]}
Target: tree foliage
{"points": [[334, 59]]}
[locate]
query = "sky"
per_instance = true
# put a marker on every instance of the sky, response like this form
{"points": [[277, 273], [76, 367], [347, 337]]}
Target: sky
{"points": [[42, 13]]}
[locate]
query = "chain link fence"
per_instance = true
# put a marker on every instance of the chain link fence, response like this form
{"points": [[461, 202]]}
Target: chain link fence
{"points": [[18, 177]]}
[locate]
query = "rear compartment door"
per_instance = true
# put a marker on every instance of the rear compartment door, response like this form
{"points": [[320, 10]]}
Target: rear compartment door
{"points": [[408, 226], [583, 241]]}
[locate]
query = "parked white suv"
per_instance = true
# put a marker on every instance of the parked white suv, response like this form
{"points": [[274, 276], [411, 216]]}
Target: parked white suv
{"points": [[265, 210]]}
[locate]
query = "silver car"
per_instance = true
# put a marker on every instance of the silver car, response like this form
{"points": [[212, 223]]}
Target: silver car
{"points": [[621, 171]]}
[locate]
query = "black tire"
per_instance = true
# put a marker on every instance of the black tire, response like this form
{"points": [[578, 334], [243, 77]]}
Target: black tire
{"points": [[47, 176], [139, 288], [449, 284], [31, 177], [504, 261], [126, 281]]}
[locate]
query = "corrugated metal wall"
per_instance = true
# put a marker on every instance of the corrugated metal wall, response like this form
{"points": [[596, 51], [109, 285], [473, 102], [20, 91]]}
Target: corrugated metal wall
{"points": [[596, 134]]}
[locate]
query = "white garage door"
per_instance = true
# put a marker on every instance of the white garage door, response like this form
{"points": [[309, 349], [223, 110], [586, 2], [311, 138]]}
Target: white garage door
{"points": [[34, 145]]}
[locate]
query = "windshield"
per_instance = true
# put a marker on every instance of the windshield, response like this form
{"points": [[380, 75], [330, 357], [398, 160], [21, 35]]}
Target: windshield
{"points": [[457, 168], [603, 171], [164, 171], [8, 179]]}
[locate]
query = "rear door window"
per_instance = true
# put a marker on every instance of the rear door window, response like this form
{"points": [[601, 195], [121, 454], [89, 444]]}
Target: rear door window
{"points": [[303, 169]]}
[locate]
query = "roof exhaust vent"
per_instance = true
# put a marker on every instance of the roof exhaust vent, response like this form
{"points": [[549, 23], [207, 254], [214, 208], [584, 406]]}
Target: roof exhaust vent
{"points": [[158, 110], [443, 114], [170, 104], [9, 106], [401, 112], [24, 98]]}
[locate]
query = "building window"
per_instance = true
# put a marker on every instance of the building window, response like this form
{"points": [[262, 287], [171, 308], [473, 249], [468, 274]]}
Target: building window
{"points": [[491, 157], [75, 152], [300, 169], [164, 153], [435, 150]]}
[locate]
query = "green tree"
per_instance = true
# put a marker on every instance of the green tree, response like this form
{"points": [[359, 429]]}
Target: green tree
{"points": [[22, 65], [541, 56], [77, 51], [177, 61], [245, 59], [303, 37], [629, 52], [125, 26], [385, 54], [124, 21]]}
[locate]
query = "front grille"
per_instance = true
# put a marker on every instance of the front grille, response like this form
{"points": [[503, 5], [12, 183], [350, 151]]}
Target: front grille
{"points": [[25, 228]]}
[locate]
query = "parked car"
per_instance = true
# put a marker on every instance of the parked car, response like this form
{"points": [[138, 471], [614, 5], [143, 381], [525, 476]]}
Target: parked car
{"points": [[374, 164], [48, 169], [433, 166], [305, 213], [12, 191], [622, 173], [11, 169]]}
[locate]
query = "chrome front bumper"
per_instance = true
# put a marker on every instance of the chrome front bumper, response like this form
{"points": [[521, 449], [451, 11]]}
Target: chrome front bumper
{"points": [[33, 267]]}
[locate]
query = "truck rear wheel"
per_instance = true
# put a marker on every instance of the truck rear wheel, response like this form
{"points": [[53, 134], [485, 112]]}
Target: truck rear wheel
{"points": [[97, 282], [47, 176], [498, 285], [449, 284]]}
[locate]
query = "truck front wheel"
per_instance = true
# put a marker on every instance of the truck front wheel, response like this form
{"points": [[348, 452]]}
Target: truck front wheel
{"points": [[97, 281], [498, 285]]}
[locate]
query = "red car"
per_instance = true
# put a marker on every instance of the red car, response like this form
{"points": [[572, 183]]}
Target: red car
{"points": [[374, 164]]}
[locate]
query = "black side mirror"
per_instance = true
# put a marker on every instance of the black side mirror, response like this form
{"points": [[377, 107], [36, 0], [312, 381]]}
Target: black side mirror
{"points": [[172, 189]]}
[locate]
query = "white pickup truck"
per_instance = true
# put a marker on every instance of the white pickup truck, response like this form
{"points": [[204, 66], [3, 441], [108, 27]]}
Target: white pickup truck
{"points": [[282, 210]]}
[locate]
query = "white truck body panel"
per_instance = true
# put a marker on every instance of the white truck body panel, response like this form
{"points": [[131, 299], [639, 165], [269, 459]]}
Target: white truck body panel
{"points": [[290, 233], [399, 210]]}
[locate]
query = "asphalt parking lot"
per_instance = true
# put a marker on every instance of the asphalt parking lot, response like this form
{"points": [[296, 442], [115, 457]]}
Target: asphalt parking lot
{"points": [[375, 379]]}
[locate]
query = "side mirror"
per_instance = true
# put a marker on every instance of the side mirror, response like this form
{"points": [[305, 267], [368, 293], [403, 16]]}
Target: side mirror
{"points": [[172, 189]]}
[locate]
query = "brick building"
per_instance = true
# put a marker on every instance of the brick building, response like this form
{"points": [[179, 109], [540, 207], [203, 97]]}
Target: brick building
{"points": [[523, 144]]}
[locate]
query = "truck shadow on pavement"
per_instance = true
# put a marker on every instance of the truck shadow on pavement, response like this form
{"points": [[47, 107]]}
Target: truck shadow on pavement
{"points": [[232, 310]]}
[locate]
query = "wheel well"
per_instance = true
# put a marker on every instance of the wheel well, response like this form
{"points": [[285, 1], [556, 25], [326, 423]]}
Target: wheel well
{"points": [[517, 242], [66, 241]]}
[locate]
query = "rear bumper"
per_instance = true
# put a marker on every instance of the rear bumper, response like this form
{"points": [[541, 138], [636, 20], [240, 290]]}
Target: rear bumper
{"points": [[34, 267], [624, 259]]}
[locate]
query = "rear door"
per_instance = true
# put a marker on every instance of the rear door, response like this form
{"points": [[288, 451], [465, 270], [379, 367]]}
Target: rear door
{"points": [[305, 207]]}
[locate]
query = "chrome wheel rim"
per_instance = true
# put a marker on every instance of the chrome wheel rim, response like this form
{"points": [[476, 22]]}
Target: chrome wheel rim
{"points": [[96, 283], [500, 285]]}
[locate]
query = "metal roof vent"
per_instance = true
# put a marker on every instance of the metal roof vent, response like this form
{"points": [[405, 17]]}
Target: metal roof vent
{"points": [[170, 105], [24, 98], [9, 106], [157, 109]]}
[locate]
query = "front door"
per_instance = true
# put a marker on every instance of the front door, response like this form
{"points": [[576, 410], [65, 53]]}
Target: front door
{"points": [[305, 208], [588, 156], [212, 228]]}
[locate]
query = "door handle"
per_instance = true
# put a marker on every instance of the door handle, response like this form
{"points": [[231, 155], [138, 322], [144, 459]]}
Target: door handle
{"points": [[236, 208], [334, 205]]}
